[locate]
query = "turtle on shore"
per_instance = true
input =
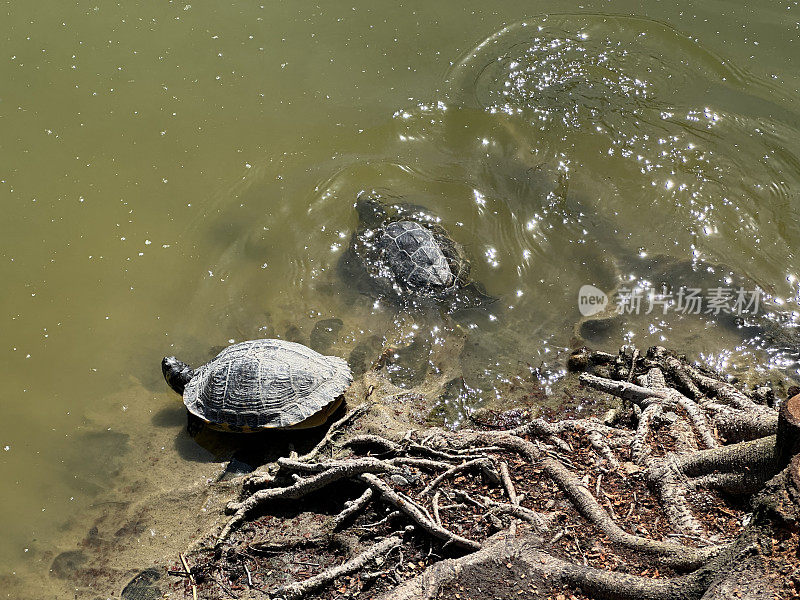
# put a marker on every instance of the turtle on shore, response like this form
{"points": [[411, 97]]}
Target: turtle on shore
{"points": [[401, 251], [260, 384]]}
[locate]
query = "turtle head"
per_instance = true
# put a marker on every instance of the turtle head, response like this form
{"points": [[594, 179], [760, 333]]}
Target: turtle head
{"points": [[371, 212], [177, 373]]}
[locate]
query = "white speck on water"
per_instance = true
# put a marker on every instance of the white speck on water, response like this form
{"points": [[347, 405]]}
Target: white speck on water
{"points": [[231, 341], [147, 242], [6, 448], [491, 256]]}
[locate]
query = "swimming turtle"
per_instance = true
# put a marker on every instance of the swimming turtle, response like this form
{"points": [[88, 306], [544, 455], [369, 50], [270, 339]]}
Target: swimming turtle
{"points": [[403, 252], [260, 384]]}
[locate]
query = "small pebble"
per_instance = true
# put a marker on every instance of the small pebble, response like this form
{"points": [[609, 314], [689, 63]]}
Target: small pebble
{"points": [[399, 480]]}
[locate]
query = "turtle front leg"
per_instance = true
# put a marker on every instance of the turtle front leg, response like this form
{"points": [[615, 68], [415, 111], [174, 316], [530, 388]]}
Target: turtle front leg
{"points": [[194, 424]]}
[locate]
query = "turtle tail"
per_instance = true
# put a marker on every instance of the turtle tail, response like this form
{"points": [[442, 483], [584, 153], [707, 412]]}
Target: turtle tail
{"points": [[177, 373]]}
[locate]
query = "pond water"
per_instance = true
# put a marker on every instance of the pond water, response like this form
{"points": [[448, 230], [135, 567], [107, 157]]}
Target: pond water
{"points": [[176, 177]]}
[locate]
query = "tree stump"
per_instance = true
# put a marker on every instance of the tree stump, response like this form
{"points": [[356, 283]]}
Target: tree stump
{"points": [[788, 438]]}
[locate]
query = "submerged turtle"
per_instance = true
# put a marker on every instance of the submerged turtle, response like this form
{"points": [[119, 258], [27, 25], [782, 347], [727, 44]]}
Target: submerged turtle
{"points": [[403, 252], [260, 384]]}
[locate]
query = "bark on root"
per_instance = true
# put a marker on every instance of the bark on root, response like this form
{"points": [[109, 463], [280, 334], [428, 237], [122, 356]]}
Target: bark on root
{"points": [[547, 572], [671, 395]]}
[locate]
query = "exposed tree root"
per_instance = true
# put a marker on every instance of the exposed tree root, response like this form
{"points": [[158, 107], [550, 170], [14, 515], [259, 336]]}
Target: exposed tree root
{"points": [[525, 555], [337, 427], [352, 508], [668, 459], [416, 514], [675, 555], [300, 488], [303, 588], [540, 522], [481, 463], [735, 425], [508, 484]]}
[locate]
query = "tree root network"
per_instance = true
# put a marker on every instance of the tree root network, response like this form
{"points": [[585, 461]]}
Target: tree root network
{"points": [[671, 495]]}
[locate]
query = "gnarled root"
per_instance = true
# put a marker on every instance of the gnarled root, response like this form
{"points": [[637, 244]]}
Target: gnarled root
{"points": [[299, 589], [676, 555], [503, 556], [301, 488], [451, 486]]}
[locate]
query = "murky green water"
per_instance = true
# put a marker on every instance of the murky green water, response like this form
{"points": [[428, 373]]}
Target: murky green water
{"points": [[175, 177]]}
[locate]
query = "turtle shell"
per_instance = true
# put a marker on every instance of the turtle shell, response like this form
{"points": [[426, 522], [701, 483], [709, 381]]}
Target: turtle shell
{"points": [[408, 257], [415, 257], [400, 251], [261, 384]]}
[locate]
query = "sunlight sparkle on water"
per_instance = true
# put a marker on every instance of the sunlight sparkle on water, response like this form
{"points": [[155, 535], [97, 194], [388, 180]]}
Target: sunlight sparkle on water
{"points": [[491, 256]]}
